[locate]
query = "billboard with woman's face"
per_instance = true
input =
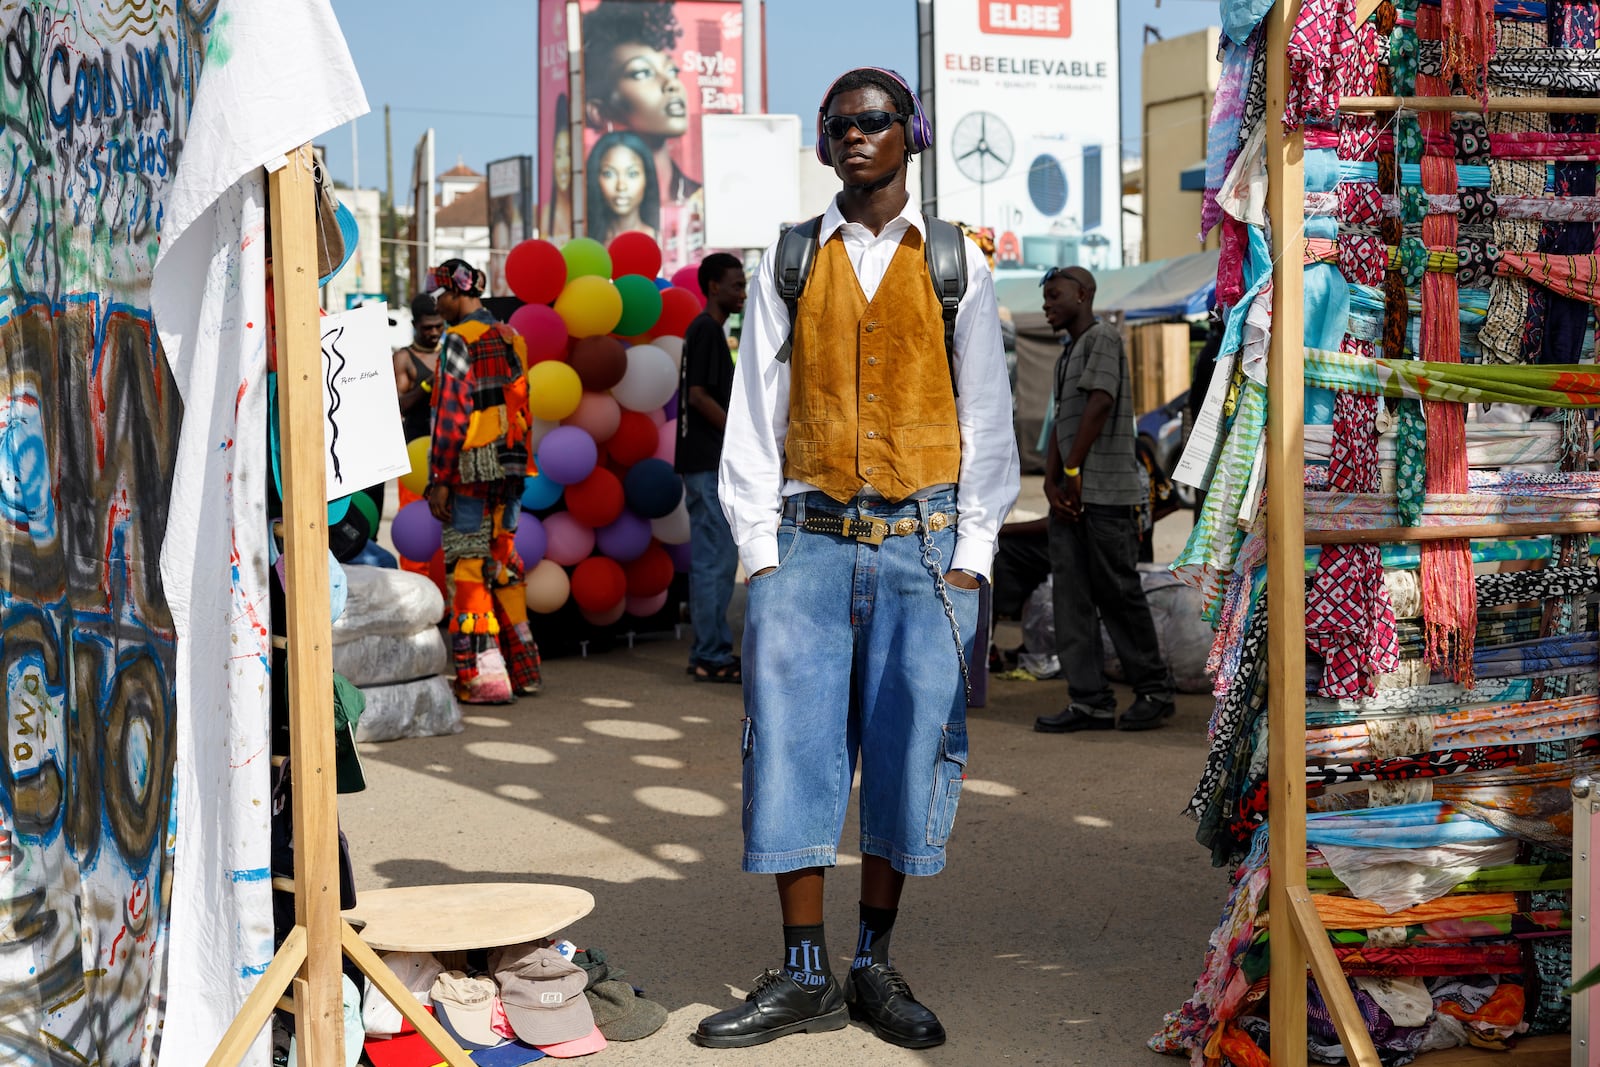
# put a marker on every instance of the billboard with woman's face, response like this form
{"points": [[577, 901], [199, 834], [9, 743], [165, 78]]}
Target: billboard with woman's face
{"points": [[652, 69]]}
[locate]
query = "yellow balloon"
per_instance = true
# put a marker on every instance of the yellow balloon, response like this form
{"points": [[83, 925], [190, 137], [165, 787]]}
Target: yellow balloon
{"points": [[554, 390], [546, 587], [417, 480], [590, 306]]}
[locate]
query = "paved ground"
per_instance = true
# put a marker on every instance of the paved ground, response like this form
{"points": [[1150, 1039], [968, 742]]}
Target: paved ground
{"points": [[1074, 912]]}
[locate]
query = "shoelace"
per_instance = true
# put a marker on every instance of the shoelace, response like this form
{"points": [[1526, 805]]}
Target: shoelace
{"points": [[769, 977], [895, 984]]}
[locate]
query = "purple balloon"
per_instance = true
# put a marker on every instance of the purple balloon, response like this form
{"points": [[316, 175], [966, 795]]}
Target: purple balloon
{"points": [[567, 455], [624, 540], [671, 409], [417, 535], [567, 541], [680, 557], [531, 540]]}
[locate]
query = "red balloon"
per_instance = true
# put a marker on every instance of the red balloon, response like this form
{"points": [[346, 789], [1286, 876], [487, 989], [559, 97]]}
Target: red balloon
{"points": [[651, 573], [636, 438], [599, 361], [678, 310], [596, 501], [634, 252], [599, 584], [536, 272], [544, 332]]}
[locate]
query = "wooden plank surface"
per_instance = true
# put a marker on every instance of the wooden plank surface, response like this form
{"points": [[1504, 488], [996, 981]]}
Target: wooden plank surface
{"points": [[1347, 1018], [1541, 104], [449, 918], [319, 1016], [1397, 534], [1554, 1050]]}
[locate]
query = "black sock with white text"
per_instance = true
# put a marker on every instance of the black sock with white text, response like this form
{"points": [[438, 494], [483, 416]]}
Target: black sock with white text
{"points": [[872, 943], [805, 958]]}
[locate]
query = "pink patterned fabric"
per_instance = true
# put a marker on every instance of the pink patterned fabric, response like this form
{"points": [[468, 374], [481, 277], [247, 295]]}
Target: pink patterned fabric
{"points": [[1320, 48]]}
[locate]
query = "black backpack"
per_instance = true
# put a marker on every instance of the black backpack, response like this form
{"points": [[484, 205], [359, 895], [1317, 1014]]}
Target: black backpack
{"points": [[945, 253]]}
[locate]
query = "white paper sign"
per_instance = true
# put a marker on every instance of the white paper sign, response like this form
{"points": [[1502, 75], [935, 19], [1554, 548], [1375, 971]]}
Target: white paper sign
{"points": [[1199, 460], [360, 408]]}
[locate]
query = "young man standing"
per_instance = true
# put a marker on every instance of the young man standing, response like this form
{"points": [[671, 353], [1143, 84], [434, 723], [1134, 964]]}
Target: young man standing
{"points": [[704, 389], [415, 366], [476, 466], [865, 475], [1094, 490]]}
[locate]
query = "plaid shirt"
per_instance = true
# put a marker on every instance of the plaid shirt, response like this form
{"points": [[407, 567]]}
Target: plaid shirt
{"points": [[472, 377]]}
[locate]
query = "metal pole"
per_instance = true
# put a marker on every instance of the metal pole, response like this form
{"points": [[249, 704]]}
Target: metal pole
{"points": [[391, 281], [575, 112]]}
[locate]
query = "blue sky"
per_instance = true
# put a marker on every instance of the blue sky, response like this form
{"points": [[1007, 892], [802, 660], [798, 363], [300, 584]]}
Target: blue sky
{"points": [[469, 70]]}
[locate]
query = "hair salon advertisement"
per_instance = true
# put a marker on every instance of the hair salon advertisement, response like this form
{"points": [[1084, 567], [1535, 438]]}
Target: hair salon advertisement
{"points": [[651, 72], [1027, 129]]}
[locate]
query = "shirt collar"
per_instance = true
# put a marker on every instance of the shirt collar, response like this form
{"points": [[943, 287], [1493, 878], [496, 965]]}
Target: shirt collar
{"points": [[832, 220]]}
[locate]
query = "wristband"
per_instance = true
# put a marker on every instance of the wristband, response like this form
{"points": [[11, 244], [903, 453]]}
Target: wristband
{"points": [[1072, 472]]}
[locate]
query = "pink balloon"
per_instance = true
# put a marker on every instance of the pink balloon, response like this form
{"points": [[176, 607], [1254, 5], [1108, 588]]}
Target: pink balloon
{"points": [[669, 441], [567, 541], [598, 415], [658, 416], [645, 606], [605, 618], [688, 278], [544, 332]]}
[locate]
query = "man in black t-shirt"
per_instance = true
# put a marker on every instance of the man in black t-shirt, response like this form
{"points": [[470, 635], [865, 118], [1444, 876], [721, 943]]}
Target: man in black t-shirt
{"points": [[705, 386]]}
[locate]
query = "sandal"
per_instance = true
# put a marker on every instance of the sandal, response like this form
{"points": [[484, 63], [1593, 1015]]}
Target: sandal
{"points": [[726, 673]]}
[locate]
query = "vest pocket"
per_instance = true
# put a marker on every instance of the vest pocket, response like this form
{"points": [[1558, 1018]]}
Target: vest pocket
{"points": [[928, 435], [948, 776]]}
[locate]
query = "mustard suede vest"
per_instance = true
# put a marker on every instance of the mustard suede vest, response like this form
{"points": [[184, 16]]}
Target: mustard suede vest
{"points": [[870, 398]]}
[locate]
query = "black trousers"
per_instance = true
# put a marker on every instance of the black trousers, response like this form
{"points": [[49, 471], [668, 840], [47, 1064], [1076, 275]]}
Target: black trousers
{"points": [[1093, 563], [1021, 564]]}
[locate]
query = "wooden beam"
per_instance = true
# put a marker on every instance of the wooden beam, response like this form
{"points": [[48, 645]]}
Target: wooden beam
{"points": [[257, 1009], [1396, 534], [1553, 105], [319, 1017], [1305, 925], [1286, 612], [401, 997]]}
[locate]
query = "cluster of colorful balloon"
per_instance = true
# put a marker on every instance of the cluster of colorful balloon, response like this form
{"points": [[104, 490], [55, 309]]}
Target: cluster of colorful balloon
{"points": [[604, 520]]}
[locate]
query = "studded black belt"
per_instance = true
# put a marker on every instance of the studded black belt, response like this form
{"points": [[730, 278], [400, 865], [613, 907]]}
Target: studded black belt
{"points": [[872, 530]]}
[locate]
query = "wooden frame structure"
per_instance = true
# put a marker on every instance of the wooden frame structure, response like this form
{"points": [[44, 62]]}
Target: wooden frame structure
{"points": [[1301, 941], [310, 959]]}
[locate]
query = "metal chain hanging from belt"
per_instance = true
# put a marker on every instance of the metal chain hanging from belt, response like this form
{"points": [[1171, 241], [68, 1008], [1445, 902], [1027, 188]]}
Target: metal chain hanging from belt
{"points": [[932, 558]]}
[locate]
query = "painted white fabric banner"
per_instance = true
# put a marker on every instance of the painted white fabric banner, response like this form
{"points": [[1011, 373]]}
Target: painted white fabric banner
{"points": [[277, 75]]}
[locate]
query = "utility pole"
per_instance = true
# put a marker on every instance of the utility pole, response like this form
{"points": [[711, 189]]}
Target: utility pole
{"points": [[391, 277]]}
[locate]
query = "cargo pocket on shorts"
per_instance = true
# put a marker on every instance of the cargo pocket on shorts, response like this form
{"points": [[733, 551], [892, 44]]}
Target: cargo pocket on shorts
{"points": [[746, 745], [948, 776]]}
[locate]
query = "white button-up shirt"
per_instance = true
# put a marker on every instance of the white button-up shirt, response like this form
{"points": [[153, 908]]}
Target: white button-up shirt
{"points": [[750, 481]]}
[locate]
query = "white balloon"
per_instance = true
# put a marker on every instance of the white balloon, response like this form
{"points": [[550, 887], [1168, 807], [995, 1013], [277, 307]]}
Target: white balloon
{"points": [[537, 428], [650, 380], [672, 346], [672, 528]]}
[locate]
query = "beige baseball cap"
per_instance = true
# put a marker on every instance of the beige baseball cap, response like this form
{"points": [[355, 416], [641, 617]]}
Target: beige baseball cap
{"points": [[465, 1007], [542, 994]]}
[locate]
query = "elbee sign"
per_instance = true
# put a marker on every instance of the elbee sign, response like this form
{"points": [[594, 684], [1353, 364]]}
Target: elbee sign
{"points": [[1032, 20], [1027, 127]]}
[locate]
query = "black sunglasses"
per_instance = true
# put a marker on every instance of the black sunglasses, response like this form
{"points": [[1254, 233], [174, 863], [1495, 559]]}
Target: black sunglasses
{"points": [[1052, 274], [868, 122]]}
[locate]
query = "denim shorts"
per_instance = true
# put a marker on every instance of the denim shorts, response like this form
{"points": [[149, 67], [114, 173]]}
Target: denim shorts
{"points": [[849, 656]]}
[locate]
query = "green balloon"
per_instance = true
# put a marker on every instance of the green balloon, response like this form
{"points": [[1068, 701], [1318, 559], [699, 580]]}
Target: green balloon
{"points": [[641, 304], [586, 256]]}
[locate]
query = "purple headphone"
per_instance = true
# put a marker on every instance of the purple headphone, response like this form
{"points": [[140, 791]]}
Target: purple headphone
{"points": [[919, 131]]}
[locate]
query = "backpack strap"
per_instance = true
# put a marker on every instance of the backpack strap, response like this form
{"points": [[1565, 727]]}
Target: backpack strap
{"points": [[946, 254], [791, 266]]}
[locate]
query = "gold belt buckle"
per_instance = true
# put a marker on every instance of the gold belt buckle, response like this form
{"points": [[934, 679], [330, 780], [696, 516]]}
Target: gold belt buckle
{"points": [[937, 521], [879, 531], [905, 526]]}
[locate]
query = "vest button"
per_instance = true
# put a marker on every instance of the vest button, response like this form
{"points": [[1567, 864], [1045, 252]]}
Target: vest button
{"points": [[872, 398], [871, 326], [872, 361], [872, 470], [872, 434]]}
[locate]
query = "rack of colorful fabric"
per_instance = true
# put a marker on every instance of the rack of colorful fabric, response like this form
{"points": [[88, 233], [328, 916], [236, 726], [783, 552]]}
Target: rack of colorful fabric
{"points": [[1395, 548]]}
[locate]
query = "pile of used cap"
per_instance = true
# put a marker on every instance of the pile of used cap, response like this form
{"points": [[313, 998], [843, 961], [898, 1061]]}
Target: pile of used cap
{"points": [[534, 1000], [389, 644]]}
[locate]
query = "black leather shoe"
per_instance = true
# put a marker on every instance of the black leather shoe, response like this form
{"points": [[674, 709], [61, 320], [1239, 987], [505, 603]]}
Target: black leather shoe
{"points": [[1146, 713], [1076, 717], [775, 1008], [878, 996]]}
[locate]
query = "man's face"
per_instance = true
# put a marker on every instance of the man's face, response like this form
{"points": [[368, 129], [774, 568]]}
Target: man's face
{"points": [[1063, 298], [427, 330], [859, 159], [728, 292], [449, 303]]}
